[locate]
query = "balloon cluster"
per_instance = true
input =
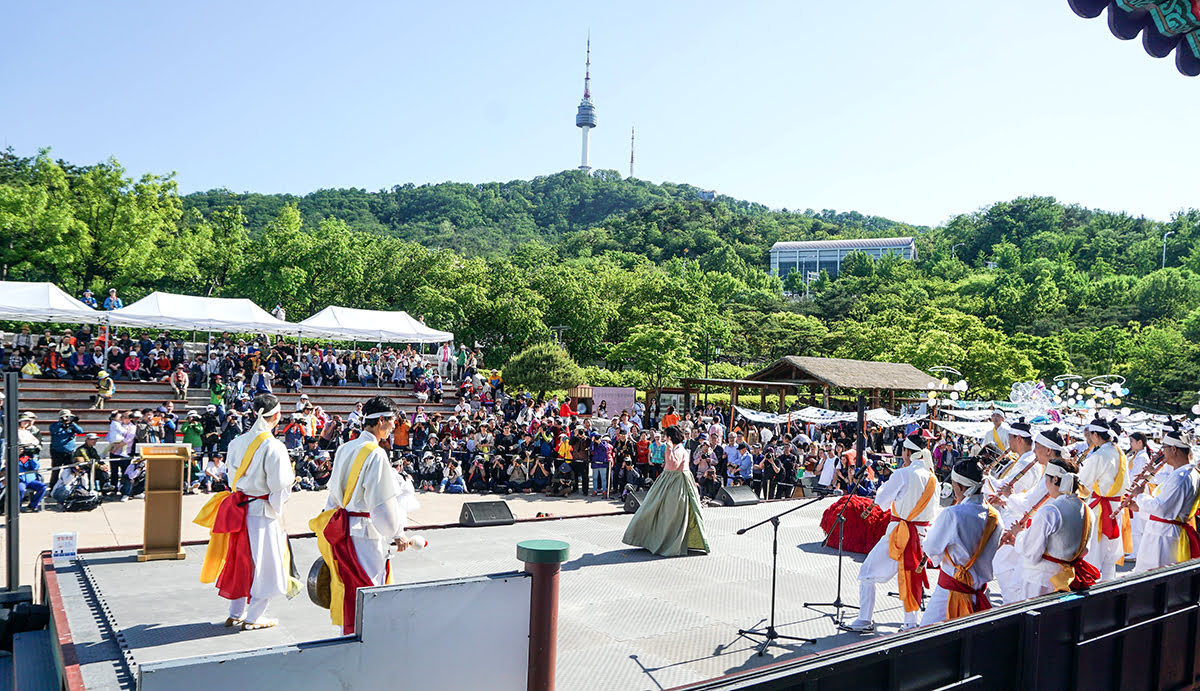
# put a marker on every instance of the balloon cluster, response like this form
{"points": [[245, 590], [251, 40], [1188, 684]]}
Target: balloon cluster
{"points": [[1073, 390], [960, 387], [1032, 398]]}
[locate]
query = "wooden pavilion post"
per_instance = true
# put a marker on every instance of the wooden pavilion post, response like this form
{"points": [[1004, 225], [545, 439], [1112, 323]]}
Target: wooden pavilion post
{"points": [[782, 399], [892, 401], [732, 401], [762, 398], [687, 396], [825, 397]]}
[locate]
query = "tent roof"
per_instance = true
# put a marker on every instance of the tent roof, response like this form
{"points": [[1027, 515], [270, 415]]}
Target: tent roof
{"points": [[21, 300], [349, 323], [192, 312], [848, 374]]}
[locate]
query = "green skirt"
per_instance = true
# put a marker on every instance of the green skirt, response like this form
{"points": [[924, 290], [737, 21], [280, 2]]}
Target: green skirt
{"points": [[669, 522]]}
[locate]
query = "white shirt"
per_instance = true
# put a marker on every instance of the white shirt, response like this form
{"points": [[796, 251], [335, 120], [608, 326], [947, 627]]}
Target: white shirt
{"points": [[377, 491], [957, 531], [903, 490], [1099, 471], [269, 473]]}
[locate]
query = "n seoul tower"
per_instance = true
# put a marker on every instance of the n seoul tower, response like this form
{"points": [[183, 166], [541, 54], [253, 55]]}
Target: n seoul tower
{"points": [[585, 117]]}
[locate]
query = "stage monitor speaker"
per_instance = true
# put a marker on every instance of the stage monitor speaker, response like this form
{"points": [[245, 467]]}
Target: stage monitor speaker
{"points": [[483, 513], [633, 500], [739, 495]]}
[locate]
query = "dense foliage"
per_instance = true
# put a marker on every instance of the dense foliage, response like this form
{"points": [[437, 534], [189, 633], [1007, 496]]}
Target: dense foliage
{"points": [[646, 278]]}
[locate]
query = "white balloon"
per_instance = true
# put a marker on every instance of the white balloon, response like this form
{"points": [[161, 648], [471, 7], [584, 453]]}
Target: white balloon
{"points": [[1125, 412], [1196, 409], [954, 395]]}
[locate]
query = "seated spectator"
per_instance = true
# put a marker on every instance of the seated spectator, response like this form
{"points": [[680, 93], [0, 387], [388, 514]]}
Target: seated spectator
{"points": [[53, 366], [452, 480], [215, 478], [560, 485], [710, 484], [80, 365], [87, 453], [539, 477], [131, 367], [180, 381], [627, 478]]}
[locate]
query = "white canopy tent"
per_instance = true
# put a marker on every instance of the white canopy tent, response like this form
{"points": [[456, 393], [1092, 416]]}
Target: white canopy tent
{"points": [[43, 302], [192, 312], [347, 323]]}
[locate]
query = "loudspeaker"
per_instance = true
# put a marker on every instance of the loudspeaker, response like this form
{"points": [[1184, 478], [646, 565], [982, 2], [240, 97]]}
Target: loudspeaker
{"points": [[633, 500], [740, 495], [483, 513]]}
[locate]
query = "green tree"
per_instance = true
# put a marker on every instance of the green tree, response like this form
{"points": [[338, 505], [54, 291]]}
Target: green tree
{"points": [[542, 367]]}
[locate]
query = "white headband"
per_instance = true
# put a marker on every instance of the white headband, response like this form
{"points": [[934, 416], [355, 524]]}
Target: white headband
{"points": [[1097, 428], [971, 485], [384, 413], [1066, 479], [1047, 442], [908, 444], [269, 413], [1015, 432], [1177, 442]]}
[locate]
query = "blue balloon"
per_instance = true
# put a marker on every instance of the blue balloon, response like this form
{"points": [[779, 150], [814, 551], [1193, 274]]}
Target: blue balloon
{"points": [[1124, 392], [1058, 384]]}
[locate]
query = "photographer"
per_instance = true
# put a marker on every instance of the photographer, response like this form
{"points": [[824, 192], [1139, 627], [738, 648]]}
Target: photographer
{"points": [[62, 442], [539, 477], [627, 477], [72, 482], [563, 480], [87, 453], [518, 476], [710, 484], [210, 434]]}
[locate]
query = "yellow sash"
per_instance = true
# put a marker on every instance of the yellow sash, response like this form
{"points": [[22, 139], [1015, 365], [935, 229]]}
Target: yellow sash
{"points": [[898, 543], [1183, 548], [1114, 490], [962, 604], [337, 589], [218, 544], [996, 438], [1066, 575]]}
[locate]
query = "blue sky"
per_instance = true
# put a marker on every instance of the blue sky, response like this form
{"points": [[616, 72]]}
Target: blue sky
{"points": [[915, 111]]}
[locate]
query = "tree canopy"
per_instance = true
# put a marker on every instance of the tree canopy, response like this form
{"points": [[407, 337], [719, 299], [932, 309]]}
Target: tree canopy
{"points": [[644, 277]]}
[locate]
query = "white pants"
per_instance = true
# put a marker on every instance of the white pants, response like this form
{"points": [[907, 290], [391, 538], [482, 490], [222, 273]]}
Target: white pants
{"points": [[268, 549], [866, 606], [1006, 570]]}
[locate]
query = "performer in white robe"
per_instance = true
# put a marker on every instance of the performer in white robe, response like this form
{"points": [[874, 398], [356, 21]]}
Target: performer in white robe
{"points": [[998, 435], [962, 545], [366, 504], [1104, 478], [1139, 455], [1019, 483], [269, 475], [1170, 535], [910, 495], [378, 493], [1053, 547]]}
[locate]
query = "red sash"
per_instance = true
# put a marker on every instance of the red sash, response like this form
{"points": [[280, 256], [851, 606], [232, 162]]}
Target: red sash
{"points": [[1109, 526], [918, 582], [1188, 529], [238, 573], [954, 585], [1086, 575], [337, 533]]}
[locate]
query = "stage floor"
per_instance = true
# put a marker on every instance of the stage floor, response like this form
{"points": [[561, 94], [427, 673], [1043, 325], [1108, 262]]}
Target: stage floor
{"points": [[627, 619]]}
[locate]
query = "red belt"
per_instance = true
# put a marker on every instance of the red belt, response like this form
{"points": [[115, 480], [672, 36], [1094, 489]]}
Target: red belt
{"points": [[1188, 529], [249, 498], [952, 584], [359, 514], [1109, 527], [1086, 575]]}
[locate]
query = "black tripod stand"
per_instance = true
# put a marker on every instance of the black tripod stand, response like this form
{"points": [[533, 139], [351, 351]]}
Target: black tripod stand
{"points": [[770, 635]]}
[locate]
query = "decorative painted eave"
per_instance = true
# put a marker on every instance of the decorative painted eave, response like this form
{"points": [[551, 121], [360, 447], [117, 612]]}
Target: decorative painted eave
{"points": [[1166, 26]]}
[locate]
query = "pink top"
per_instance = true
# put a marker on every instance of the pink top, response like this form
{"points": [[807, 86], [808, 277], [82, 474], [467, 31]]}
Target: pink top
{"points": [[676, 458]]}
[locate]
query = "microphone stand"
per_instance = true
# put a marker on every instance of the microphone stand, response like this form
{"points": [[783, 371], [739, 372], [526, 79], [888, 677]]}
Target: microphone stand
{"points": [[859, 475], [770, 635], [837, 603]]}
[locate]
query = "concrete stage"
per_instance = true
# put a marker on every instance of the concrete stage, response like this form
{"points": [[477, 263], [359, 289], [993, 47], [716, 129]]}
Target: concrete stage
{"points": [[627, 620]]}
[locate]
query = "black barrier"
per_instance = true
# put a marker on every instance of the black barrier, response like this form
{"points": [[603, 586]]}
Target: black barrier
{"points": [[1132, 634], [12, 503]]}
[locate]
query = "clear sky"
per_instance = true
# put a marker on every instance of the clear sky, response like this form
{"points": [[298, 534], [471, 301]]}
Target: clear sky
{"points": [[914, 111]]}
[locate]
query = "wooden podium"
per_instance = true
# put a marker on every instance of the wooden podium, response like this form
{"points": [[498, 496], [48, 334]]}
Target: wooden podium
{"points": [[166, 468]]}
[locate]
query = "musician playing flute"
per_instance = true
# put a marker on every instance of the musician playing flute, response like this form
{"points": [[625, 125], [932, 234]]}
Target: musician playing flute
{"points": [[1053, 547], [1139, 464], [1104, 478], [910, 495], [1014, 477], [1022, 490], [962, 544], [1170, 535]]}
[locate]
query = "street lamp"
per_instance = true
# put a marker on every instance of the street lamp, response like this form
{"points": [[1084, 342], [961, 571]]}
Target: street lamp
{"points": [[954, 247], [709, 350], [1166, 235]]}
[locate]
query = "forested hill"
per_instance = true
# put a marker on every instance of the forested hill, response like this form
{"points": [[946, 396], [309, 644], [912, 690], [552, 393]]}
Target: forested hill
{"points": [[646, 278], [491, 219]]}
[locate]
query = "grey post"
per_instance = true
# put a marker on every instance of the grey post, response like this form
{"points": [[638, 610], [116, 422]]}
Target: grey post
{"points": [[13, 503]]}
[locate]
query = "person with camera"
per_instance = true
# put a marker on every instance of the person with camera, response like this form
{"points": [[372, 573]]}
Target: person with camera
{"points": [[627, 477], [62, 442], [710, 484], [518, 474], [72, 482], [539, 475], [87, 453]]}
